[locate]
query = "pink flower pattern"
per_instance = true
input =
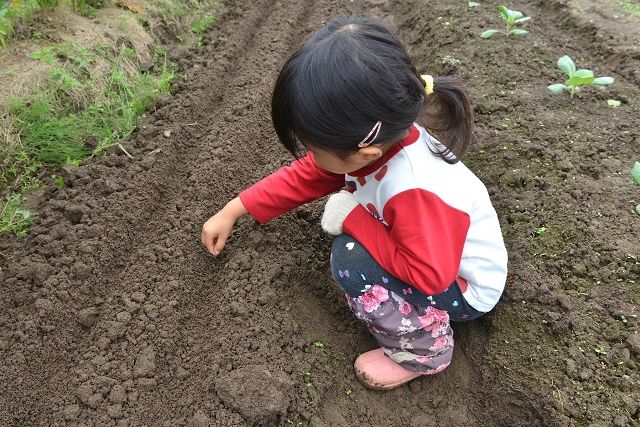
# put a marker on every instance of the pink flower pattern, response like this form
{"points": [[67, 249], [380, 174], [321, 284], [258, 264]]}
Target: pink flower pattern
{"points": [[423, 359], [405, 308], [372, 299], [382, 294], [431, 316], [441, 342], [437, 370]]}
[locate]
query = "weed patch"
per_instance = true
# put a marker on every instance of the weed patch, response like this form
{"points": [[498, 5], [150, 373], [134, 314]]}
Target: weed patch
{"points": [[70, 120]]}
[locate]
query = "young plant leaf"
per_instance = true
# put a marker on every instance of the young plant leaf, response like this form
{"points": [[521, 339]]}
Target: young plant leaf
{"points": [[603, 81], [567, 66], [581, 78], [582, 73], [638, 209], [557, 88], [517, 32], [523, 19], [614, 103], [504, 12], [635, 172], [474, 4], [514, 15], [487, 34]]}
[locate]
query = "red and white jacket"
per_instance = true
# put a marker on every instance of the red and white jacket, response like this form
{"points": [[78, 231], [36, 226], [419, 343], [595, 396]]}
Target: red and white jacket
{"points": [[425, 221]]}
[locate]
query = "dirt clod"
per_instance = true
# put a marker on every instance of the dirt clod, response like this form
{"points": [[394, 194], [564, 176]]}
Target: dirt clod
{"points": [[634, 343], [95, 400], [200, 419], [74, 213], [138, 297], [71, 412], [114, 411], [145, 363], [255, 392], [182, 373], [87, 317], [84, 392], [118, 394], [116, 330]]}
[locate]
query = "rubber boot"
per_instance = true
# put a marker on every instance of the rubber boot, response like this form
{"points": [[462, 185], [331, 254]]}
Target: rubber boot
{"points": [[377, 371]]}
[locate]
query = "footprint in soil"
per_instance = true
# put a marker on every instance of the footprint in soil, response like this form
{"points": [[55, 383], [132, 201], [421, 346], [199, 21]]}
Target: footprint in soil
{"points": [[258, 394]]}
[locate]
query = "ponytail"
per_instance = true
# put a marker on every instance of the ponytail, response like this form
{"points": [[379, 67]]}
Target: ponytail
{"points": [[448, 112]]}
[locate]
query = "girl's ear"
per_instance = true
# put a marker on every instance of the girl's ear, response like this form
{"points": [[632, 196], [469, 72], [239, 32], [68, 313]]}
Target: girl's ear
{"points": [[369, 153]]}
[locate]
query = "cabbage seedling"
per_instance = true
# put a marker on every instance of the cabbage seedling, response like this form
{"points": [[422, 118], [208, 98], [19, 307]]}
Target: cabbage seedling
{"points": [[577, 78], [635, 174], [511, 18]]}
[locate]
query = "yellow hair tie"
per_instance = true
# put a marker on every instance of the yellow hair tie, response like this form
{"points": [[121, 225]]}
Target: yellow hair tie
{"points": [[428, 83]]}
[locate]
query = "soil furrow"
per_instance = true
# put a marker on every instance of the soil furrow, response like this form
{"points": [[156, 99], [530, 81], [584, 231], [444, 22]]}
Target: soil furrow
{"points": [[148, 197]]}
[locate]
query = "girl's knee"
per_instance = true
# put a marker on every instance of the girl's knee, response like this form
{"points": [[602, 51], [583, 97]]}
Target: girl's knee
{"points": [[347, 260], [348, 250]]}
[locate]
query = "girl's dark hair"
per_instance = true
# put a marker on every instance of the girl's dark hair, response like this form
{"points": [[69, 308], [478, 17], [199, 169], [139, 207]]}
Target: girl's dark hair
{"points": [[353, 73]]}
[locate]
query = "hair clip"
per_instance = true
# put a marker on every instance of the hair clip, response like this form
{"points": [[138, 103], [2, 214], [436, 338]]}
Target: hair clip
{"points": [[375, 131]]}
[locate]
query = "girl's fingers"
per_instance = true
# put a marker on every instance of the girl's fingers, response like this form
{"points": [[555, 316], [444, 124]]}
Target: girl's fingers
{"points": [[208, 241], [220, 242], [210, 245]]}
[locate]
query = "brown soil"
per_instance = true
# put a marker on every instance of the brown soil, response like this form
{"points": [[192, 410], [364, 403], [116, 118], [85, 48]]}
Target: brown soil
{"points": [[113, 313]]}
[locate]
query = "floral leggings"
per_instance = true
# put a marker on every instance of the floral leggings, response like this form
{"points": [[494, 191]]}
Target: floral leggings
{"points": [[412, 328]]}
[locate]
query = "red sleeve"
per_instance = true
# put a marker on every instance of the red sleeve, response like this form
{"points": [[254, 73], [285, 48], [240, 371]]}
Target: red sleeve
{"points": [[422, 244], [289, 187]]}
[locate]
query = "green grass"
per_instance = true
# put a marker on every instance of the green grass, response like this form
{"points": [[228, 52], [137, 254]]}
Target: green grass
{"points": [[189, 15], [91, 103], [200, 25], [632, 7], [56, 124], [12, 10], [87, 7], [70, 121]]}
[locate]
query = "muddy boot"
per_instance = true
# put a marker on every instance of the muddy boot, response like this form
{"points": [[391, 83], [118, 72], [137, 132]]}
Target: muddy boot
{"points": [[375, 370]]}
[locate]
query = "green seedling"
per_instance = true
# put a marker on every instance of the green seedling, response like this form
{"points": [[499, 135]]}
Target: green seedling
{"points": [[450, 60], [635, 174], [613, 103], [510, 18], [13, 218], [319, 344], [541, 230], [600, 350], [577, 78]]}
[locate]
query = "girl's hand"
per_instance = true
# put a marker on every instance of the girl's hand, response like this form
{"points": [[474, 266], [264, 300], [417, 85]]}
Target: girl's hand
{"points": [[217, 228], [338, 207]]}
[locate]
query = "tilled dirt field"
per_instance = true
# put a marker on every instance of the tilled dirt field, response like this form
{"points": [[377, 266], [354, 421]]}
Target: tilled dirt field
{"points": [[113, 313]]}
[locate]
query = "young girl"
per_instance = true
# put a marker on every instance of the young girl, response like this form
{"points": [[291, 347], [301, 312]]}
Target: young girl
{"points": [[418, 242]]}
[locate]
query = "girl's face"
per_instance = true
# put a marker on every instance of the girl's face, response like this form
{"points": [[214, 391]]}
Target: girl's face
{"points": [[357, 160], [331, 162]]}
